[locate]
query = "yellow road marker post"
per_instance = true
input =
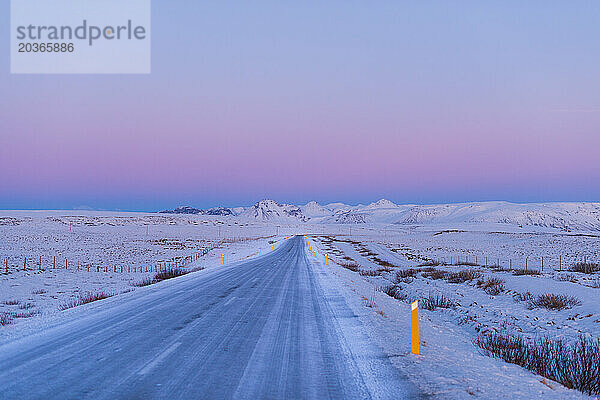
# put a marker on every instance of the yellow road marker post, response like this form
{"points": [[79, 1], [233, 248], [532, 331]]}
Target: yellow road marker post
{"points": [[315, 254], [325, 259], [222, 259], [414, 326]]}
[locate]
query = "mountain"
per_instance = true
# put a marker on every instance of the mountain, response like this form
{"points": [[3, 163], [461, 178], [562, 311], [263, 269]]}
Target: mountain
{"points": [[313, 209], [381, 204], [561, 216], [182, 210], [335, 207], [218, 211], [270, 210], [191, 210]]}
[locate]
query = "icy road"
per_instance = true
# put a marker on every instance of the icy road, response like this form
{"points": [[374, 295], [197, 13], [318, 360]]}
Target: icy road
{"points": [[262, 329]]}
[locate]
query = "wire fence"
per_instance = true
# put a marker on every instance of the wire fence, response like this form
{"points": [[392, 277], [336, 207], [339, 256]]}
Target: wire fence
{"points": [[42, 264], [534, 263]]}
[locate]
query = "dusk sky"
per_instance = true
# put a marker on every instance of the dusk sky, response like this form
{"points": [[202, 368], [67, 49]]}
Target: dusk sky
{"points": [[417, 102]]}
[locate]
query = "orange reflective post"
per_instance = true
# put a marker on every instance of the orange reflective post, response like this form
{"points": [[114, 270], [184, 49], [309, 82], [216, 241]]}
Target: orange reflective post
{"points": [[325, 259], [414, 326], [222, 259]]}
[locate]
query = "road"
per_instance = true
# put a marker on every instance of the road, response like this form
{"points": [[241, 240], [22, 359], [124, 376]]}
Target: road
{"points": [[263, 329]]}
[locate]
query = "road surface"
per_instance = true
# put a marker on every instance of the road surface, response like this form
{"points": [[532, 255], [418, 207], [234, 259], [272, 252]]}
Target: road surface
{"points": [[263, 329]]}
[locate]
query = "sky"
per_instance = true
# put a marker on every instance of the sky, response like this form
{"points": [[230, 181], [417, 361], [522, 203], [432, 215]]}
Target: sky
{"points": [[414, 101]]}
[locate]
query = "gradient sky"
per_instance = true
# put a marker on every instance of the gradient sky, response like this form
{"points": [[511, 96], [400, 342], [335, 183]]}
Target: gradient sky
{"points": [[418, 102]]}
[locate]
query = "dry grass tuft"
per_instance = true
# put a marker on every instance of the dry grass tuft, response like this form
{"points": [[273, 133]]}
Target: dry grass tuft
{"points": [[463, 276], [5, 319], [493, 286], [369, 272], [552, 301], [394, 291], [352, 266], [169, 274], [574, 365], [527, 296], [523, 271], [87, 298], [435, 274], [436, 301], [586, 268], [405, 273]]}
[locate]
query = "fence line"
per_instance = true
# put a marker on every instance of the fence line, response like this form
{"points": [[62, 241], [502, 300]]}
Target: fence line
{"points": [[541, 263], [36, 265]]}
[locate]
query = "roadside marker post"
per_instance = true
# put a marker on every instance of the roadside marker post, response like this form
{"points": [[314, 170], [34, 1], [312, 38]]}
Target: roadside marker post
{"points": [[325, 259], [222, 259], [259, 252], [315, 254], [414, 326]]}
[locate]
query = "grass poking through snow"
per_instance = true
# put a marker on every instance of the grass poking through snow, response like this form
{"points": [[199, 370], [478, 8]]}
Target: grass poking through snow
{"points": [[574, 365], [552, 301], [87, 298]]}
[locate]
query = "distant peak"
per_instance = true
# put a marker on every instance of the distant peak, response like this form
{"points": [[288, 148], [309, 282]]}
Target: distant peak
{"points": [[383, 203]]}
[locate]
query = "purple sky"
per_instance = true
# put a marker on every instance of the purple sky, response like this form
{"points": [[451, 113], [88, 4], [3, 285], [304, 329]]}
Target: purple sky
{"points": [[349, 101]]}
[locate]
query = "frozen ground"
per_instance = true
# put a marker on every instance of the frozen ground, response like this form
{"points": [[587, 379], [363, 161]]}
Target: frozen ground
{"points": [[450, 366], [92, 252]]}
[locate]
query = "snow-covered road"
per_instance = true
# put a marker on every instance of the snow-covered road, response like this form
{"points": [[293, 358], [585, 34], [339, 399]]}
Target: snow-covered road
{"points": [[260, 329]]}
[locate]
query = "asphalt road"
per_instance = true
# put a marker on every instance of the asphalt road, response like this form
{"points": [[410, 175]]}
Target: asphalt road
{"points": [[264, 329]]}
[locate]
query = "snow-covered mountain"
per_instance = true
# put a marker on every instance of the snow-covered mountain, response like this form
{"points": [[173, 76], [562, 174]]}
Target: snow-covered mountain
{"points": [[191, 210], [270, 210], [313, 209], [182, 210], [337, 207], [561, 216], [382, 204]]}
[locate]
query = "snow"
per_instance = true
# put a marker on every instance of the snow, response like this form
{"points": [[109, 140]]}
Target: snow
{"points": [[450, 366]]}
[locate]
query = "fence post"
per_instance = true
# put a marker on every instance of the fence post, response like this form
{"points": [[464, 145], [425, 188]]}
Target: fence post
{"points": [[542, 264], [526, 261], [560, 262]]}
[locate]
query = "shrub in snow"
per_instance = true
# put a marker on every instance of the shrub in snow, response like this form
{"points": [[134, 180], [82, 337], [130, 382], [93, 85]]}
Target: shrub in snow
{"points": [[87, 298], [554, 301], [169, 273], [352, 266], [394, 291], [567, 278], [435, 274], [586, 268], [405, 273], [5, 319], [493, 286], [523, 271], [574, 365], [527, 296], [369, 272], [463, 276], [436, 301]]}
